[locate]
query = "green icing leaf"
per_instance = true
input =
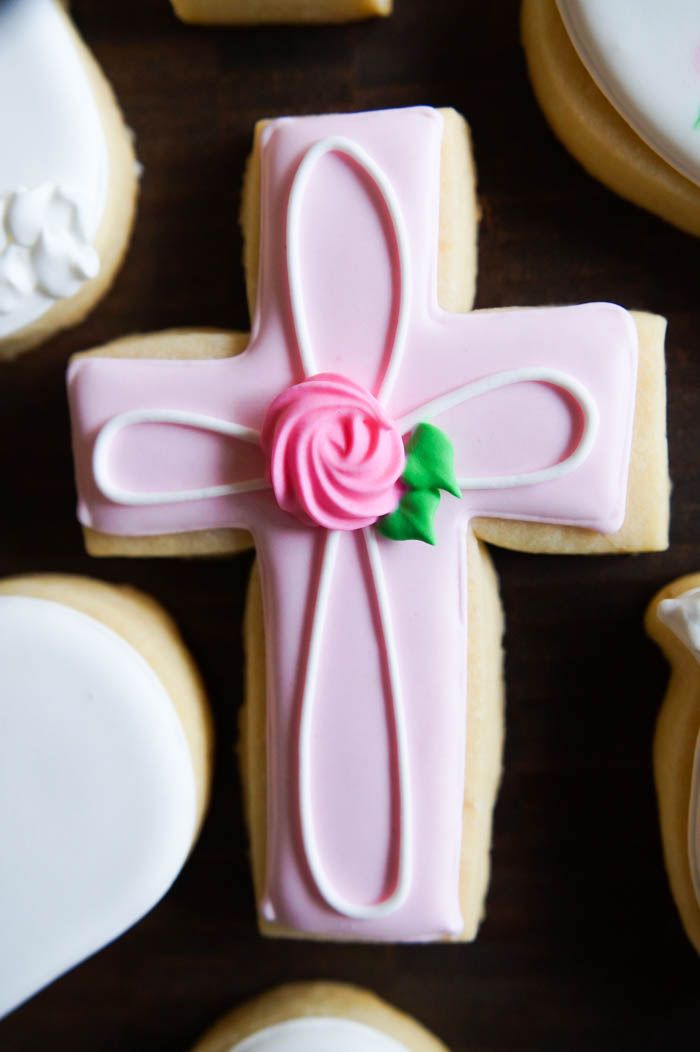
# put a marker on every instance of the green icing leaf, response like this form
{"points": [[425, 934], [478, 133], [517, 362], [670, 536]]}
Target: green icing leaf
{"points": [[413, 519], [430, 461]]}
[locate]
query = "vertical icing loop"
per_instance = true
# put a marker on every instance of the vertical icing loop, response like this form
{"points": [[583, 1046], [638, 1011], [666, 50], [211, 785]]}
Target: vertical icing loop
{"points": [[346, 148], [324, 886]]}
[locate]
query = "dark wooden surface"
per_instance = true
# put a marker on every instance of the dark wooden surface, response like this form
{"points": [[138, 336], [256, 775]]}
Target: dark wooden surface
{"points": [[581, 947]]}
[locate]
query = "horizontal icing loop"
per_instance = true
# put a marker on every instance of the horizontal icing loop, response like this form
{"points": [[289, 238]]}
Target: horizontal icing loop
{"points": [[324, 886], [497, 381], [181, 418], [43, 246], [352, 150], [335, 458]]}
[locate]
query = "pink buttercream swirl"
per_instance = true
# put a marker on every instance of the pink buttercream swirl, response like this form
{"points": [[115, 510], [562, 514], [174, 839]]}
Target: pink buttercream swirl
{"points": [[334, 457]]}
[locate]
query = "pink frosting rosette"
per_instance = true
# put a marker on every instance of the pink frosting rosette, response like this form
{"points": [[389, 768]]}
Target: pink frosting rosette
{"points": [[335, 459]]}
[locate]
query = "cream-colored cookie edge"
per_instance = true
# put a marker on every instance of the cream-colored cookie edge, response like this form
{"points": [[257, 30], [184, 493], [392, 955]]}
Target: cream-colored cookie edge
{"points": [[252, 12], [677, 730], [301, 1000], [148, 629]]}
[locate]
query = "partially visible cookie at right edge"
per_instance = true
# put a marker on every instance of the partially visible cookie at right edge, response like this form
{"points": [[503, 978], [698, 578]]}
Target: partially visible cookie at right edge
{"points": [[619, 83], [318, 1017], [257, 12], [673, 621]]}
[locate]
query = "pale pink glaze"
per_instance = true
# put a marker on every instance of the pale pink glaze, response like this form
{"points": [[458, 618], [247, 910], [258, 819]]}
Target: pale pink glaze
{"points": [[350, 286], [334, 456]]}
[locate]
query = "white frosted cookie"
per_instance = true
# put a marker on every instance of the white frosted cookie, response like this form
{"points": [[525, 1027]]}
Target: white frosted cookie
{"points": [[105, 749], [68, 177], [250, 12], [619, 81], [370, 435], [317, 1017], [673, 621]]}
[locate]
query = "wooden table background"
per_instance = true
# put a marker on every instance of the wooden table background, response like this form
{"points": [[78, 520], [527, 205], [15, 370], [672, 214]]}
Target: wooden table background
{"points": [[581, 947]]}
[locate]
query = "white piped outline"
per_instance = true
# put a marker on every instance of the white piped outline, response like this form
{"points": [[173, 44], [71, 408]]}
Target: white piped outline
{"points": [[404, 875], [181, 418], [553, 378], [348, 148]]}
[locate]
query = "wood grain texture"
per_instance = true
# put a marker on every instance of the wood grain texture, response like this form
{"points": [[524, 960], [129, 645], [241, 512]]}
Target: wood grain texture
{"points": [[581, 948]]}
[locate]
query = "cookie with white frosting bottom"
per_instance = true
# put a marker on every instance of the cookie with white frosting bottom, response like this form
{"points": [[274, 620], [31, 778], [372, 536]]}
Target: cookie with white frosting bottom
{"points": [[68, 177], [318, 1017], [105, 759]]}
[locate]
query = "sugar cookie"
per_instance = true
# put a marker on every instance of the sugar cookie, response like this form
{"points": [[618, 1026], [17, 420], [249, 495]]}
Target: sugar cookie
{"points": [[318, 1017], [105, 755], [673, 621], [247, 12], [67, 176], [619, 82], [364, 399]]}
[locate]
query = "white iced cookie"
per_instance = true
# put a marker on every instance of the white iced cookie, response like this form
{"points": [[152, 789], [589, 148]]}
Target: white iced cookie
{"points": [[105, 749], [673, 620], [620, 84], [246, 12], [67, 176], [318, 1017]]}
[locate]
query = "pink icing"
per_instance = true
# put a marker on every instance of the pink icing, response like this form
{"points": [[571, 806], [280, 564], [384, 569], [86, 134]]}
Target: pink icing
{"points": [[349, 271], [334, 456]]}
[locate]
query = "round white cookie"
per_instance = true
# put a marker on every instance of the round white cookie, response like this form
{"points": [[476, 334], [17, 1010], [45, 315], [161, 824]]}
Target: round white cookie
{"points": [[645, 58], [102, 780], [318, 1034], [67, 176], [318, 1017], [619, 82]]}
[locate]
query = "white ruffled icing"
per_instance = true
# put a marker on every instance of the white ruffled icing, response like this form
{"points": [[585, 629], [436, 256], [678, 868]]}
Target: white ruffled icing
{"points": [[319, 1035], [682, 616], [45, 249], [53, 164]]}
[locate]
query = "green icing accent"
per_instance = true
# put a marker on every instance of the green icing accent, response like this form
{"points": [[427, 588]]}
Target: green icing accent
{"points": [[696, 126], [430, 461], [430, 467], [413, 519]]}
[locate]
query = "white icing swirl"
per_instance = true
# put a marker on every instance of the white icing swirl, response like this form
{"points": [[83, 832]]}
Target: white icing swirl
{"points": [[44, 246], [319, 1035]]}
